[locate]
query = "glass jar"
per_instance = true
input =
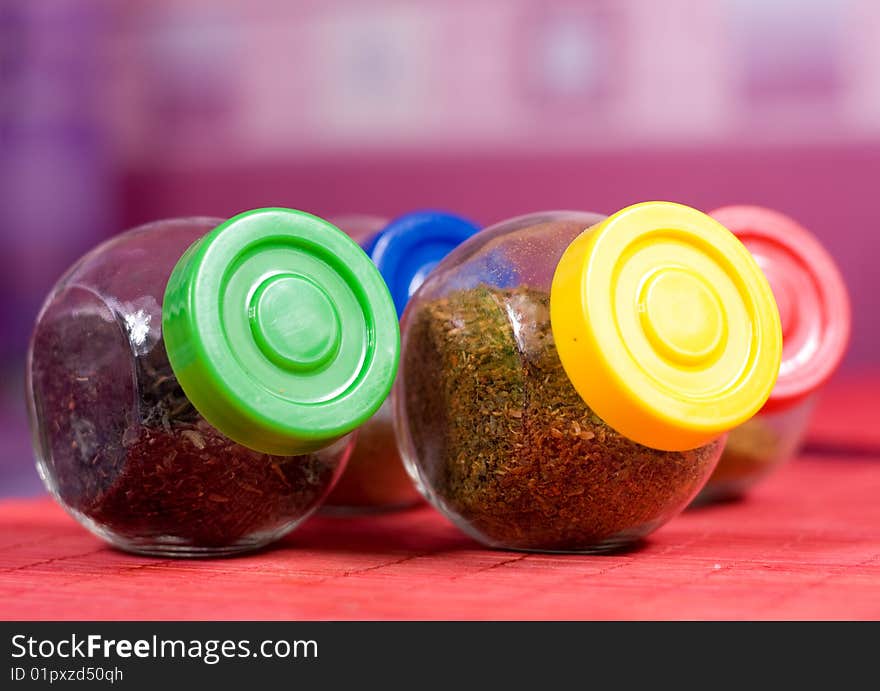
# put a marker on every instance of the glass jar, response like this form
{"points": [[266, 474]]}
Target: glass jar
{"points": [[405, 251], [567, 380], [815, 314], [193, 384]]}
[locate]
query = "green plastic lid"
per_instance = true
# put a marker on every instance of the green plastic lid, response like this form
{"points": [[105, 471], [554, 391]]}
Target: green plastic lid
{"points": [[281, 331]]}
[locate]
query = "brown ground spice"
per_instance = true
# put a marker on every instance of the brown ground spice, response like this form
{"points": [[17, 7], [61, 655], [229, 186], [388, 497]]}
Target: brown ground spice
{"points": [[375, 478], [507, 444]]}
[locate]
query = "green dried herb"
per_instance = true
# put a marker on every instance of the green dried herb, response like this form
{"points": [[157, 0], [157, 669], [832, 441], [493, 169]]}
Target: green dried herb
{"points": [[509, 447]]}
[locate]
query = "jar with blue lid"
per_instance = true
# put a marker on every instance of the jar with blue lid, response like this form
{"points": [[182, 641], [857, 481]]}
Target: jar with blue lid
{"points": [[405, 251]]}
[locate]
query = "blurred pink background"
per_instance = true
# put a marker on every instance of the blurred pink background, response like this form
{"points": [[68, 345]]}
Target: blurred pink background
{"points": [[113, 114]]}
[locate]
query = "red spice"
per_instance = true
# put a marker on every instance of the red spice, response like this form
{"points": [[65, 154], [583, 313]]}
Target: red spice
{"points": [[127, 451], [194, 484]]}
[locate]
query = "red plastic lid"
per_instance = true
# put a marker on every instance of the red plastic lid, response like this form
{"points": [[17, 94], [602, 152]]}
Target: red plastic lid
{"points": [[810, 293]]}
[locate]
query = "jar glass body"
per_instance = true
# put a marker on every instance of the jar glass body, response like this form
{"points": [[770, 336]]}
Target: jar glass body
{"points": [[492, 429], [374, 478], [756, 448], [361, 228], [117, 441]]}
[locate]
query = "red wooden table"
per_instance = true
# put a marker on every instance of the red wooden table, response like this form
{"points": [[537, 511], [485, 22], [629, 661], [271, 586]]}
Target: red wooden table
{"points": [[845, 419], [806, 544]]}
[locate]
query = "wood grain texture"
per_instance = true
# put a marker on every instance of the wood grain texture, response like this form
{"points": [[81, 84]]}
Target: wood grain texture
{"points": [[806, 544]]}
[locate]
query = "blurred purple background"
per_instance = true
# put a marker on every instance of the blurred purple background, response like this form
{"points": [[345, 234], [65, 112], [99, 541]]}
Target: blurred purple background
{"points": [[113, 114]]}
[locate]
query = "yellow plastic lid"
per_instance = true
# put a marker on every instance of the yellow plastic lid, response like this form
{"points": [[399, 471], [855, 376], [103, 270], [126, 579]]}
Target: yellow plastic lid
{"points": [[665, 325]]}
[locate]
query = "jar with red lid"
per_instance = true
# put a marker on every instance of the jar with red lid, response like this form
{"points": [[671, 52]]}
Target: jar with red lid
{"points": [[405, 250], [815, 315]]}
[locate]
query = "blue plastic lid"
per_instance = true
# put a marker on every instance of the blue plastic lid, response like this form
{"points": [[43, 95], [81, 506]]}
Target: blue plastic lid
{"points": [[409, 247]]}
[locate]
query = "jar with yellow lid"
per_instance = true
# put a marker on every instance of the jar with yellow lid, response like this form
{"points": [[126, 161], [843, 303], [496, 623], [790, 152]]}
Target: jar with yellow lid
{"points": [[567, 379]]}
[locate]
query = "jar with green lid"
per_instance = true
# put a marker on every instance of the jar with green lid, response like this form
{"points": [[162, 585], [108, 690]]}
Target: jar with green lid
{"points": [[567, 380], [194, 384]]}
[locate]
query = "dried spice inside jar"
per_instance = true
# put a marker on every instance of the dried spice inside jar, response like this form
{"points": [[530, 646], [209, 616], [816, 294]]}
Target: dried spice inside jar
{"points": [[375, 478], [158, 474], [508, 446], [752, 450]]}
